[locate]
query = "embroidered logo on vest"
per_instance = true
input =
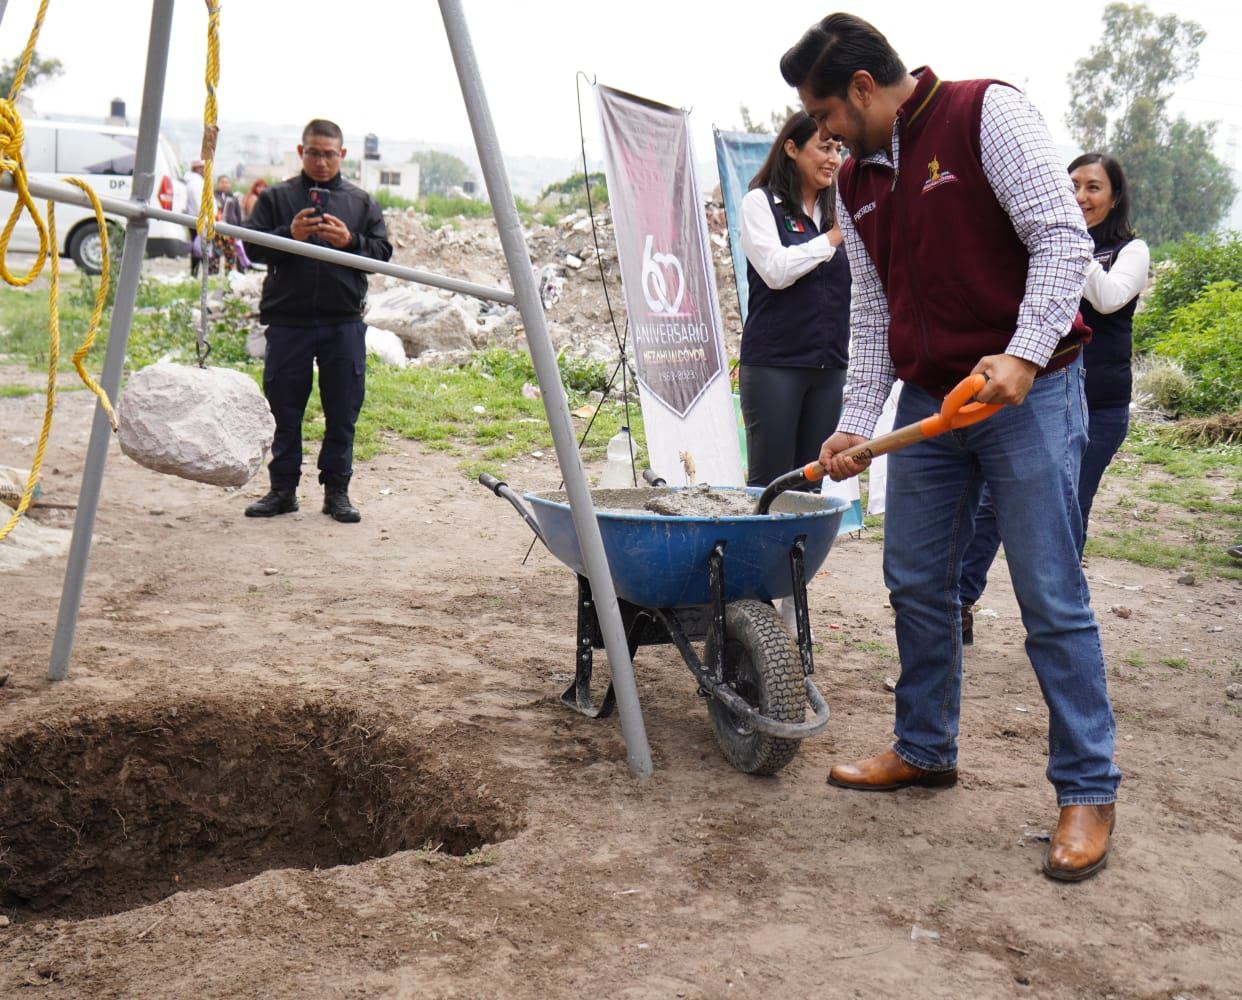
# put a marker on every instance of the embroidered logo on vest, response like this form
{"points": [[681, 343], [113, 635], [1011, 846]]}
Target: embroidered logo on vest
{"points": [[794, 225], [936, 177]]}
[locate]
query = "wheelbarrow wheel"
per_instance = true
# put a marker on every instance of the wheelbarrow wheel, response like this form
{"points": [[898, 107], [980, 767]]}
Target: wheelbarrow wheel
{"points": [[761, 664]]}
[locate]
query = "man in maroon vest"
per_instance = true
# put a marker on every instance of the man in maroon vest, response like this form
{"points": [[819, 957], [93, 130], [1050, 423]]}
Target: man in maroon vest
{"points": [[969, 255]]}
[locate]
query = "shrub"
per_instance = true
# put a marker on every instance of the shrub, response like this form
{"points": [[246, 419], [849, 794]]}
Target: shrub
{"points": [[442, 209], [1204, 337], [386, 199], [1195, 263], [1160, 384], [579, 375]]}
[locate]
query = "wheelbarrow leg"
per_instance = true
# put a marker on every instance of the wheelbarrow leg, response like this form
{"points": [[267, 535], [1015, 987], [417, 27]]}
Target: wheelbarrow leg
{"points": [[797, 568], [578, 695]]}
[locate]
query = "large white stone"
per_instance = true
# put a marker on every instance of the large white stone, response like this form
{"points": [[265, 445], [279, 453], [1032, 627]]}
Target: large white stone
{"points": [[387, 346], [211, 425]]}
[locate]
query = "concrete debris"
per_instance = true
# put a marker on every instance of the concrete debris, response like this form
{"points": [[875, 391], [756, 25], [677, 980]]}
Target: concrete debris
{"points": [[256, 342], [211, 425], [386, 346], [577, 283], [1234, 691]]}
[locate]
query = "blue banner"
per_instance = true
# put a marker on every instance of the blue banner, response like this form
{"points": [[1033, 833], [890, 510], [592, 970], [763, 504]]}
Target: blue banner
{"points": [[739, 155]]}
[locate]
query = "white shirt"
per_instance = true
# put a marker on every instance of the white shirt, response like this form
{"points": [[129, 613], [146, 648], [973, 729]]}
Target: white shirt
{"points": [[779, 266], [193, 193], [1109, 290], [1029, 181]]}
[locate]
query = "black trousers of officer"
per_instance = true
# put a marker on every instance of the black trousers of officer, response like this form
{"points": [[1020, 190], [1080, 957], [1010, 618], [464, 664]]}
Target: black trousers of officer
{"points": [[288, 367]]}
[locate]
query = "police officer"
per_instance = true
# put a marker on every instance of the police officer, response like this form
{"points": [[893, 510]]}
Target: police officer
{"points": [[313, 313]]}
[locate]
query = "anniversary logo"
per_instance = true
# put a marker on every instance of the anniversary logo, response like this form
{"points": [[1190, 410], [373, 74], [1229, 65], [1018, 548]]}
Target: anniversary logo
{"points": [[662, 248]]}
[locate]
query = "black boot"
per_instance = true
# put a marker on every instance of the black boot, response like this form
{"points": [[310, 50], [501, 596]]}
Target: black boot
{"points": [[336, 502], [276, 502], [968, 625]]}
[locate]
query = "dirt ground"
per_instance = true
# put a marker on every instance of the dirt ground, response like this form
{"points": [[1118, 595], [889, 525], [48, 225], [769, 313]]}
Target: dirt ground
{"points": [[301, 759]]}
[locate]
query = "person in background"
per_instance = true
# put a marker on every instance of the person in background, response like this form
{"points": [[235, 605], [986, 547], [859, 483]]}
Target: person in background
{"points": [[795, 344], [968, 255], [251, 198], [227, 249], [313, 313], [193, 195], [1115, 278]]}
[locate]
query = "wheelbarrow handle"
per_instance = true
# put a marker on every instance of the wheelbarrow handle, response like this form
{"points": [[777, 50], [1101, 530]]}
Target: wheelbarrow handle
{"points": [[501, 489], [955, 412]]}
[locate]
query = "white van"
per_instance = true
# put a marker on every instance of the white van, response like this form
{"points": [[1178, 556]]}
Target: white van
{"points": [[103, 156]]}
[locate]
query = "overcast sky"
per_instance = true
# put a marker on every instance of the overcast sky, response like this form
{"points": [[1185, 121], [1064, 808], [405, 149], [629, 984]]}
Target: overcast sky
{"points": [[383, 66]]}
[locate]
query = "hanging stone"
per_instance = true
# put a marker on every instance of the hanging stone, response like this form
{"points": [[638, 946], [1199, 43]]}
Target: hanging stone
{"points": [[211, 425]]}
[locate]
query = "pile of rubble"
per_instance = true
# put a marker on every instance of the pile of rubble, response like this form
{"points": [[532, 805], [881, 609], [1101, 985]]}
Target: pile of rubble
{"points": [[577, 283]]}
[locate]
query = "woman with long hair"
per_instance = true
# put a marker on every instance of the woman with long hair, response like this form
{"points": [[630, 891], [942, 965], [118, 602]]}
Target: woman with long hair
{"points": [[1114, 279], [251, 198], [795, 343]]}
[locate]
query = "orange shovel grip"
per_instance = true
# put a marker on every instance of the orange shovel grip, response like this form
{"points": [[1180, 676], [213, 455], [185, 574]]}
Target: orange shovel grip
{"points": [[956, 411]]}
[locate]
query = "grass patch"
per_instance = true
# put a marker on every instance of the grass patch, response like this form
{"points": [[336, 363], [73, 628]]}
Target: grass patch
{"points": [[1137, 545], [438, 407], [1152, 445], [479, 858], [12, 391], [870, 646], [1175, 662], [162, 324], [1135, 658]]}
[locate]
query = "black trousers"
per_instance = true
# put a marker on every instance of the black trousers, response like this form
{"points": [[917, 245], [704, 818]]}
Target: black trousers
{"points": [[288, 367], [789, 413]]}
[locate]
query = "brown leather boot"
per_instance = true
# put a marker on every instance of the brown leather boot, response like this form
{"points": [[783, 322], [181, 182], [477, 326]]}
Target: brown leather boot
{"points": [[887, 773], [1079, 848]]}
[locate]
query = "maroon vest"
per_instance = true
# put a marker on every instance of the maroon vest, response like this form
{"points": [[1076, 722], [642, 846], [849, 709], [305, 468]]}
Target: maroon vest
{"points": [[953, 269]]}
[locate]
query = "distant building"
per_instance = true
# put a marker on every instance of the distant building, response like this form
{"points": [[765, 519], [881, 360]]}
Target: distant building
{"points": [[400, 179]]}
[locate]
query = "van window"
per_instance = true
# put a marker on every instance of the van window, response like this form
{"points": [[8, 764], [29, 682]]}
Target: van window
{"points": [[40, 150], [95, 153]]}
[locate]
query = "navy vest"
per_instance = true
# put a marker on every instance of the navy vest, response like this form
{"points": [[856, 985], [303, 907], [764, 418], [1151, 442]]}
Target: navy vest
{"points": [[806, 325], [1106, 358]]}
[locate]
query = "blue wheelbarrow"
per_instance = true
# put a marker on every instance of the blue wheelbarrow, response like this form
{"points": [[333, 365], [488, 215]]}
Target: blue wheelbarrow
{"points": [[684, 578], [680, 579]]}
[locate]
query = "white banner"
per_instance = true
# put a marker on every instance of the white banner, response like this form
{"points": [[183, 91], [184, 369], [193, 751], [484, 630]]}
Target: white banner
{"points": [[670, 291]]}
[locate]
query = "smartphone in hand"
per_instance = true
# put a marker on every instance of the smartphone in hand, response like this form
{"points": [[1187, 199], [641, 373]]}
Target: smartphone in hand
{"points": [[319, 199]]}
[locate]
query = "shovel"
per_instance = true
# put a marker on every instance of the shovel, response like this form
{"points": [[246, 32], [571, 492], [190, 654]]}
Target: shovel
{"points": [[955, 412]]}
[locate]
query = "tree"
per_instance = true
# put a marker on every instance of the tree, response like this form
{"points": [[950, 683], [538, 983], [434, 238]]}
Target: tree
{"points": [[439, 172], [776, 120], [1119, 105], [40, 69]]}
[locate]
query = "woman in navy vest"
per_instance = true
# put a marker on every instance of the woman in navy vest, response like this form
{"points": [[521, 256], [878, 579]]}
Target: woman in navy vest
{"points": [[1114, 279], [795, 344]]}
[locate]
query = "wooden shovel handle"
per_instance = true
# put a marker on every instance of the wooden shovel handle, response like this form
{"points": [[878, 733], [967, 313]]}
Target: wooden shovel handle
{"points": [[955, 412]]}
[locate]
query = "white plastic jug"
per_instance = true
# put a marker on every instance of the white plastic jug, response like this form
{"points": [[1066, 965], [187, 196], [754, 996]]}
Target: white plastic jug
{"points": [[618, 472]]}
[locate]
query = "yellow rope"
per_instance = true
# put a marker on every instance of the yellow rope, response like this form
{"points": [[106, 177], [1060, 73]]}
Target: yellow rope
{"points": [[12, 136], [207, 204]]}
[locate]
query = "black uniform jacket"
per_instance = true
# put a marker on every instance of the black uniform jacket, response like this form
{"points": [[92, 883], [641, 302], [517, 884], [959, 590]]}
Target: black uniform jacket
{"points": [[299, 291]]}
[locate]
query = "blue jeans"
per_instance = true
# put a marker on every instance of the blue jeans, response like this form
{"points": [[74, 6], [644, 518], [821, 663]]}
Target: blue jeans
{"points": [[1029, 457], [1106, 429]]}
